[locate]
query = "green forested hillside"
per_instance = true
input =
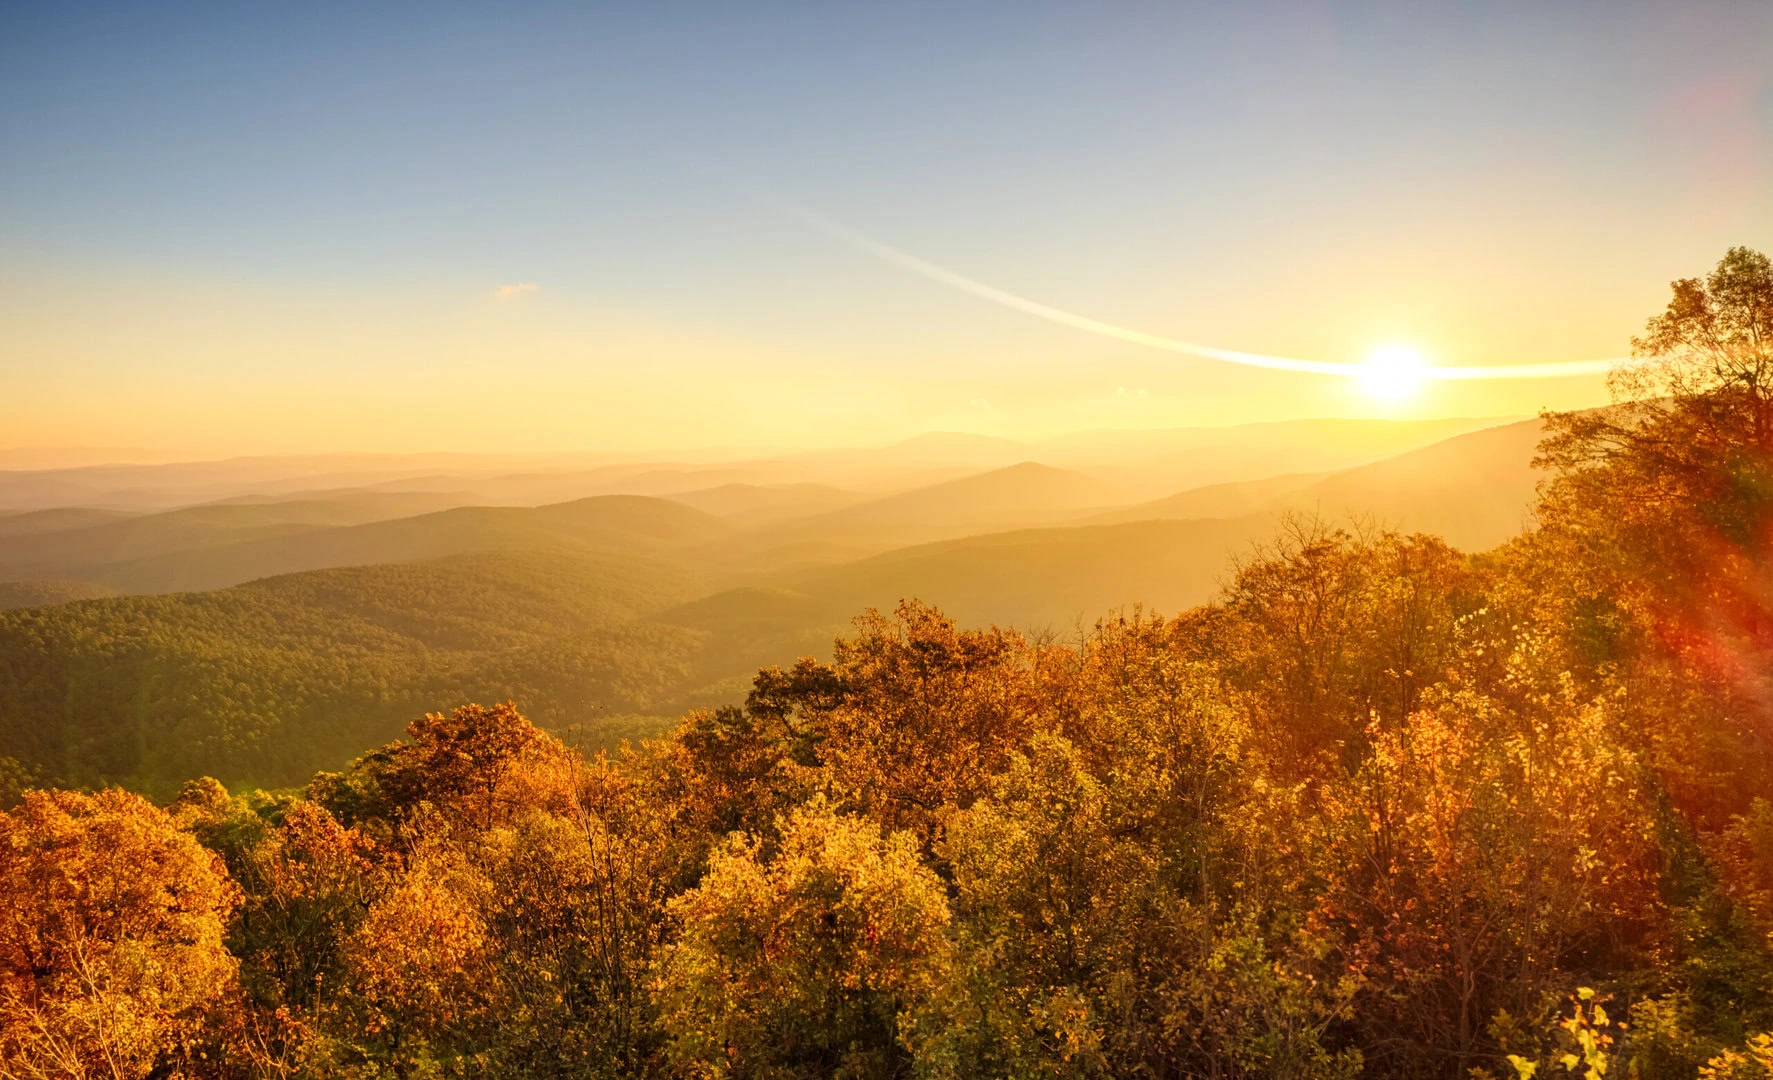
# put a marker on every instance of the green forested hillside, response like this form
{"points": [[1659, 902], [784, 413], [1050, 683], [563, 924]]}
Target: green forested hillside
{"points": [[20, 594], [264, 682]]}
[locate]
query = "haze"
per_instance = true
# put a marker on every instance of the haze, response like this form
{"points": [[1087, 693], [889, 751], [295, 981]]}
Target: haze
{"points": [[258, 230], [894, 541]]}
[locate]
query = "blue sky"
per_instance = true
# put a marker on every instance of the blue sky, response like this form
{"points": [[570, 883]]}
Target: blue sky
{"points": [[258, 227]]}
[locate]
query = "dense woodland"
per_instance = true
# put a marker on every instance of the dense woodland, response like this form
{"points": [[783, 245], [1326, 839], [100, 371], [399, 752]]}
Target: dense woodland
{"points": [[262, 683], [1381, 809]]}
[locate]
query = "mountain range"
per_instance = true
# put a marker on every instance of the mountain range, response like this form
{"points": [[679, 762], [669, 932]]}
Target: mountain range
{"points": [[258, 638]]}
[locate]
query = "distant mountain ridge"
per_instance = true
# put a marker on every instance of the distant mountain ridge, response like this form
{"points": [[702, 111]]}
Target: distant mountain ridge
{"points": [[1473, 489], [616, 611], [1151, 462], [754, 504], [1014, 494], [210, 559]]}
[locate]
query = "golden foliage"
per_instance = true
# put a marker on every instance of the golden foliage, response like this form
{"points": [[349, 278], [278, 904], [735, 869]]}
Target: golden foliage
{"points": [[801, 961], [111, 924]]}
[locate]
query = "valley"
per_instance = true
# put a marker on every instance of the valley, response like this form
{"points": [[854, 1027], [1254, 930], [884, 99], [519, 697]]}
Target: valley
{"points": [[259, 638]]}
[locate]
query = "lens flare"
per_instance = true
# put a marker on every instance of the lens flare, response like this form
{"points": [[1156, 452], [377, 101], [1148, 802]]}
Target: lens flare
{"points": [[1390, 373]]}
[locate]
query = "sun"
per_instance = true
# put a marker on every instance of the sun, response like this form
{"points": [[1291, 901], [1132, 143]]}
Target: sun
{"points": [[1393, 373]]}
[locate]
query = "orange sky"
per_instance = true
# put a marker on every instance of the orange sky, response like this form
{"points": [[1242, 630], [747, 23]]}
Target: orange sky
{"points": [[566, 231]]}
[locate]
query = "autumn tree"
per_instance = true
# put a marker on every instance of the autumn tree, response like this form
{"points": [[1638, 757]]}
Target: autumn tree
{"points": [[111, 927], [802, 958], [417, 962], [474, 766], [1131, 909], [1323, 628], [1477, 860], [574, 910], [1661, 507]]}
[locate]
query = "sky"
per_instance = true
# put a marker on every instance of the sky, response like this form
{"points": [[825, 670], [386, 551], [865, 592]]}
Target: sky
{"points": [[258, 228]]}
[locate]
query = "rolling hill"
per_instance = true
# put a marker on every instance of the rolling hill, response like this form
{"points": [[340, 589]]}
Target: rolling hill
{"points": [[33, 522], [1017, 496], [1047, 578], [1212, 501], [1027, 491], [1473, 489], [611, 613], [188, 552], [761, 504], [79, 543], [24, 594], [1035, 579], [1162, 461], [264, 683]]}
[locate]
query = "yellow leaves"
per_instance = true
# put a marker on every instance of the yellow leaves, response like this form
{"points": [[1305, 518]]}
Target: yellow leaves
{"points": [[1753, 1062], [111, 924], [1583, 1043], [1073, 1030], [416, 954], [781, 959]]}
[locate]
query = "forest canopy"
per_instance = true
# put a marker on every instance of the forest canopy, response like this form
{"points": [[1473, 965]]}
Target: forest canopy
{"points": [[1383, 808]]}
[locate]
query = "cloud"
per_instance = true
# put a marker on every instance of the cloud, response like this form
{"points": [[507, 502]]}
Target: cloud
{"points": [[521, 288]]}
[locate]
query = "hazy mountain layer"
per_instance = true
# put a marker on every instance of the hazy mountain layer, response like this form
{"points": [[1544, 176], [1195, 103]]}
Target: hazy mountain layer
{"points": [[1474, 490], [190, 550], [613, 606], [762, 504], [24, 594], [1147, 463]]}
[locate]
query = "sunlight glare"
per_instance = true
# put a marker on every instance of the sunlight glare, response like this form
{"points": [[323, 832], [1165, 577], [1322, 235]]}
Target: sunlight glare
{"points": [[1393, 373]]}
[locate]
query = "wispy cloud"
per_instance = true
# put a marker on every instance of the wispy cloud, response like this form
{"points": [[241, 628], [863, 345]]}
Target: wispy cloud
{"points": [[521, 288]]}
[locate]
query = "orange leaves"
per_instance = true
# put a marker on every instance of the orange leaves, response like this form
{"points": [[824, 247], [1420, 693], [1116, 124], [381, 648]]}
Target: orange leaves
{"points": [[926, 714], [111, 925], [1479, 855], [801, 963], [417, 954], [1324, 629], [477, 765]]}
